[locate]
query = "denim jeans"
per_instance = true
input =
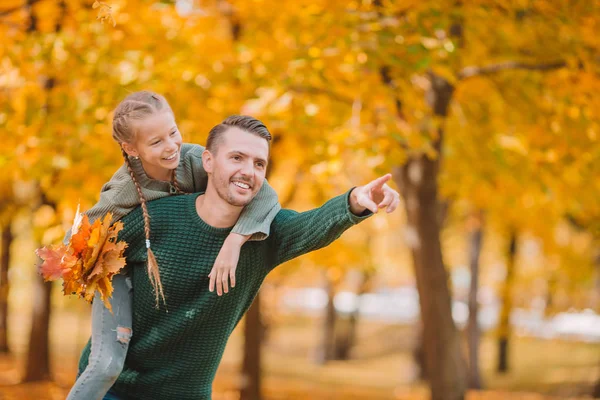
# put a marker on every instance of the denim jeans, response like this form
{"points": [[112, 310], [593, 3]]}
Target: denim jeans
{"points": [[111, 396], [111, 333]]}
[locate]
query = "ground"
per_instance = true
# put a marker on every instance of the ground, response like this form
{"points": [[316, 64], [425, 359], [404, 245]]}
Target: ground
{"points": [[381, 365]]}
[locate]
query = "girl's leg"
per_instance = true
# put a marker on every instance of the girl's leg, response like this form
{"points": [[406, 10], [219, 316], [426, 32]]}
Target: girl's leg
{"points": [[111, 396], [110, 339]]}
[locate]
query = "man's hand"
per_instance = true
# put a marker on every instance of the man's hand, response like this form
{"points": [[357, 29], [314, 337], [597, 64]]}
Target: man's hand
{"points": [[223, 270], [373, 196]]}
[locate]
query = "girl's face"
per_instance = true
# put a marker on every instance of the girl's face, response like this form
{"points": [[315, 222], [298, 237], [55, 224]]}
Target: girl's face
{"points": [[158, 144]]}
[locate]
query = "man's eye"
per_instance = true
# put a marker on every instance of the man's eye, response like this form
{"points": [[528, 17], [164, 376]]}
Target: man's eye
{"points": [[173, 133], [237, 158]]}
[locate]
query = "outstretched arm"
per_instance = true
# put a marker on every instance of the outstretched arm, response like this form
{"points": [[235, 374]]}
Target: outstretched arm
{"points": [[296, 233]]}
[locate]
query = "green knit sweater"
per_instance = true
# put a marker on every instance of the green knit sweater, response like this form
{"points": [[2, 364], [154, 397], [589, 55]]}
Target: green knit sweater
{"points": [[119, 196], [175, 350]]}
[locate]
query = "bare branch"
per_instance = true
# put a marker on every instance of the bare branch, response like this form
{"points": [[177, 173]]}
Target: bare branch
{"points": [[470, 72]]}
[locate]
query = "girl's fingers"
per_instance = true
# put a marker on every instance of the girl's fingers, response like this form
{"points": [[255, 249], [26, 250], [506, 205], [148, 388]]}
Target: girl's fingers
{"points": [[224, 279], [218, 283], [211, 283], [232, 277]]}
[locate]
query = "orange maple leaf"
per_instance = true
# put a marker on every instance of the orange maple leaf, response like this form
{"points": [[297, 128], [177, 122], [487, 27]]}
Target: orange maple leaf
{"points": [[89, 261], [56, 261], [79, 240], [98, 236]]}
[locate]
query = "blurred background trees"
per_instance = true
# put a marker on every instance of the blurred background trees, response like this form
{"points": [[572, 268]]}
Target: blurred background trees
{"points": [[486, 112]]}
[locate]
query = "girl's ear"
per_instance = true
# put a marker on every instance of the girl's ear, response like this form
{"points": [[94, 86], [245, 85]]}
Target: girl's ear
{"points": [[207, 161], [129, 149]]}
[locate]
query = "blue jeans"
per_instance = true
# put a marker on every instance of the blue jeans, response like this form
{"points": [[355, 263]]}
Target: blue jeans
{"points": [[111, 333], [111, 396]]}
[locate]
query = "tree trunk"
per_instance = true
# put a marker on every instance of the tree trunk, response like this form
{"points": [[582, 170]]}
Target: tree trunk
{"points": [[473, 333], [251, 371], [504, 327], [326, 353], [346, 338], [7, 239], [418, 354], [417, 180], [38, 360], [596, 392]]}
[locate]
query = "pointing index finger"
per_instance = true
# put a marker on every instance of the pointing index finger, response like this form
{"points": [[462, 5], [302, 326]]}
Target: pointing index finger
{"points": [[379, 182]]}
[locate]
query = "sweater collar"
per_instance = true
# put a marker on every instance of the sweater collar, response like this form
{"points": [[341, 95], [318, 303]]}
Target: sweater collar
{"points": [[193, 215]]}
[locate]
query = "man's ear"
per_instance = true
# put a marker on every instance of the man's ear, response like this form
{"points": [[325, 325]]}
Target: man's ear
{"points": [[207, 161], [129, 149]]}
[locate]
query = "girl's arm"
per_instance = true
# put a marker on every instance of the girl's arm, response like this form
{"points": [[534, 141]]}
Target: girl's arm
{"points": [[118, 196], [266, 206], [256, 218]]}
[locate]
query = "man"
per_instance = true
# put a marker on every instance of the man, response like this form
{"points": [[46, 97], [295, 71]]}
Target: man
{"points": [[175, 350]]}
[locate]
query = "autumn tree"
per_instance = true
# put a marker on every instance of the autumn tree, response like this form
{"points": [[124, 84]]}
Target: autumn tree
{"points": [[483, 102]]}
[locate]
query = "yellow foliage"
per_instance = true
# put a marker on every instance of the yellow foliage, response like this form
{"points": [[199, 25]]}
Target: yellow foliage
{"points": [[345, 86]]}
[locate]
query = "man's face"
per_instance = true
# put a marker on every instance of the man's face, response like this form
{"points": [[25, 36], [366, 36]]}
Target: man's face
{"points": [[239, 166]]}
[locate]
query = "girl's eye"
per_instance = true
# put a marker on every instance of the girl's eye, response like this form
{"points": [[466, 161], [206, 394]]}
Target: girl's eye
{"points": [[155, 143]]}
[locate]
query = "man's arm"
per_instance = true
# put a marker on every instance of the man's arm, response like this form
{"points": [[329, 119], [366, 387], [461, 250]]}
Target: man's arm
{"points": [[299, 233]]}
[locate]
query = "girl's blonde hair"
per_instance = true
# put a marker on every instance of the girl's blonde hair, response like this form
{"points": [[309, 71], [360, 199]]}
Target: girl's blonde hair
{"points": [[135, 107]]}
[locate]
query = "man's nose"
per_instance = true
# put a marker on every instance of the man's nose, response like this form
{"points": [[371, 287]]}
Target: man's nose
{"points": [[247, 168]]}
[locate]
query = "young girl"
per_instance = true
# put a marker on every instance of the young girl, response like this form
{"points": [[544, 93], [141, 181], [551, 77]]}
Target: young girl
{"points": [[157, 164]]}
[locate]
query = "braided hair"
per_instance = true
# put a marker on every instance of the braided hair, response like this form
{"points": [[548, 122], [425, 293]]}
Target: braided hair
{"points": [[137, 106]]}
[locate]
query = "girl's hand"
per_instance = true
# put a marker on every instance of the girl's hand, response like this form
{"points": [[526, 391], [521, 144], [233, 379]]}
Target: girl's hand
{"points": [[225, 265]]}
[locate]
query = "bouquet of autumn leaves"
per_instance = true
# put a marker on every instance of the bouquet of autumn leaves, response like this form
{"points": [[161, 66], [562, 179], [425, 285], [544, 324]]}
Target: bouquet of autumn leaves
{"points": [[88, 261]]}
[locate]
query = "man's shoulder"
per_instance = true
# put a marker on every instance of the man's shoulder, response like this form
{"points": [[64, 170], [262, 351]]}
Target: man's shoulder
{"points": [[170, 202], [164, 206]]}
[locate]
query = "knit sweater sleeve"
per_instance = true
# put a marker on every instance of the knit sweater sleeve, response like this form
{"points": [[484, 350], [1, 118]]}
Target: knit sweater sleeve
{"points": [[295, 234], [256, 218], [118, 196]]}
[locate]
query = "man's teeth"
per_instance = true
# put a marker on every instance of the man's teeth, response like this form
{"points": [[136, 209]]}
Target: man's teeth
{"points": [[242, 185]]}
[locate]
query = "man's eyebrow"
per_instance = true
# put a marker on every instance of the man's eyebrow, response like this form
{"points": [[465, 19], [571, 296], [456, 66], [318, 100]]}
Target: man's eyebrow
{"points": [[240, 152]]}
